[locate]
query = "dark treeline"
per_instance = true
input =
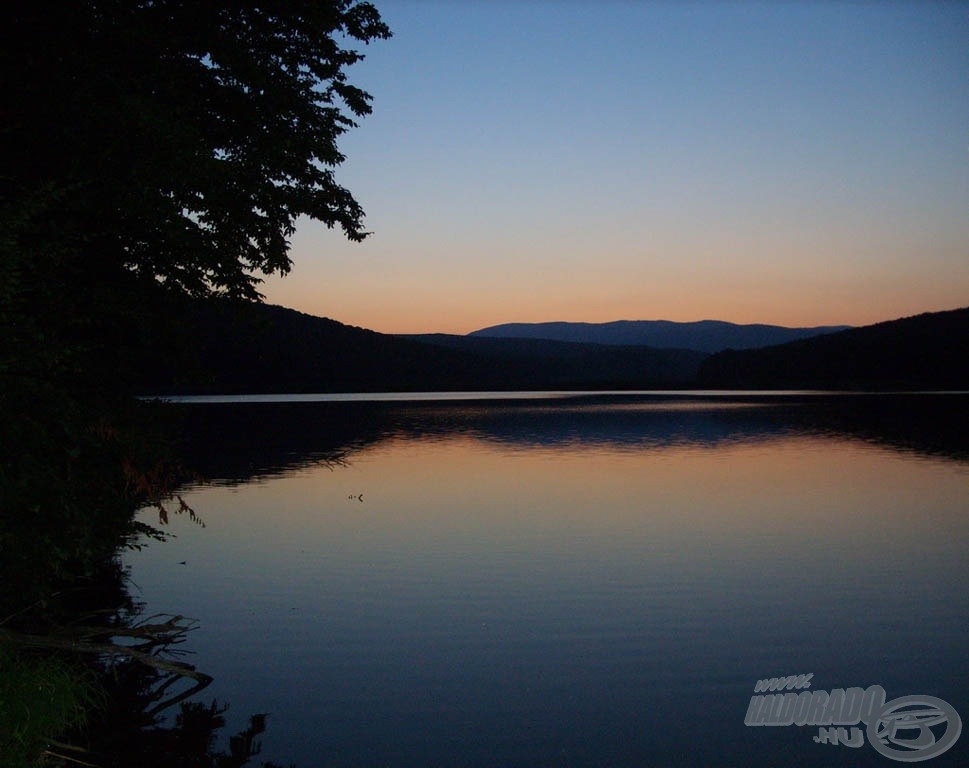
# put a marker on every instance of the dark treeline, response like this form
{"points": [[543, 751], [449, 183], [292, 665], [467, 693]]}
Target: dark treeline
{"points": [[927, 351], [227, 347], [241, 347]]}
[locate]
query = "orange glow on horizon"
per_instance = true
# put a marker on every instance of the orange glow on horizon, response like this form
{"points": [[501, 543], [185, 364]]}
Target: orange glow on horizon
{"points": [[460, 320]]}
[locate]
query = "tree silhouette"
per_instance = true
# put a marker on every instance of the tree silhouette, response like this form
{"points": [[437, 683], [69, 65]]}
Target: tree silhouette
{"points": [[176, 140], [159, 148]]}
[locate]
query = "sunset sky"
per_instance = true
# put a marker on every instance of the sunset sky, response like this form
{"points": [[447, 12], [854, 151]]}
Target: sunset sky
{"points": [[797, 163]]}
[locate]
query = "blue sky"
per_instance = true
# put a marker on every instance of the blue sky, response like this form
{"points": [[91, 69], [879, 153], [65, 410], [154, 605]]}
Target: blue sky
{"points": [[797, 163]]}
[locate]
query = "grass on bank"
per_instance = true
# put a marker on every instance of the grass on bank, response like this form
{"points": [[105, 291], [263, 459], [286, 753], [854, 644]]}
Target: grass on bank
{"points": [[42, 698]]}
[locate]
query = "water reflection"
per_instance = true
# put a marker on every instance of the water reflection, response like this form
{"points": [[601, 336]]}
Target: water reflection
{"points": [[137, 682], [593, 584], [240, 440]]}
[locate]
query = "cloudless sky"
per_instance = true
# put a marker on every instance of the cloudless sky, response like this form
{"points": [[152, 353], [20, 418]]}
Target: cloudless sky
{"points": [[797, 163]]}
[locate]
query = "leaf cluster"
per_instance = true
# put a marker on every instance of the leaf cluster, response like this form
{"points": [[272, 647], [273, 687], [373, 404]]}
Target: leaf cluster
{"points": [[178, 141]]}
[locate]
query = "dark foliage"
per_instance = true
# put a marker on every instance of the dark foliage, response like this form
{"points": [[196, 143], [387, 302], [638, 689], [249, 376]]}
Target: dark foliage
{"points": [[231, 347], [177, 140], [152, 149], [157, 148], [72, 473], [546, 363], [927, 351]]}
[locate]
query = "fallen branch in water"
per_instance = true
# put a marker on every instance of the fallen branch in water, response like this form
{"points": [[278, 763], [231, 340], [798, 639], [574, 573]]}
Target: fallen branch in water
{"points": [[68, 758], [98, 640]]}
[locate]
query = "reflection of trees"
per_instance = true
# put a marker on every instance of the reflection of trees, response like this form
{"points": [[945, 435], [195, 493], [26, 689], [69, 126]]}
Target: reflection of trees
{"points": [[144, 715], [131, 732], [72, 475], [236, 442], [153, 714], [931, 424]]}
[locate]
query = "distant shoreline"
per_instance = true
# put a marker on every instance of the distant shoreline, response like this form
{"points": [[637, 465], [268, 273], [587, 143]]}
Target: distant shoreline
{"points": [[525, 395]]}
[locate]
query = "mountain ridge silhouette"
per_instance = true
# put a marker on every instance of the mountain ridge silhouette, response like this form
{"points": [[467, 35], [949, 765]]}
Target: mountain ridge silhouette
{"points": [[701, 336], [220, 347]]}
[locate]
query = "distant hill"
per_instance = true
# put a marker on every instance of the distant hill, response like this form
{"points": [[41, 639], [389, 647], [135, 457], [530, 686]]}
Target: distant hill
{"points": [[927, 351], [236, 348], [703, 336], [233, 348], [568, 363]]}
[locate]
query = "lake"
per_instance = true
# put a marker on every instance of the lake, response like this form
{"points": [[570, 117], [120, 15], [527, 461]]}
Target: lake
{"points": [[575, 580]]}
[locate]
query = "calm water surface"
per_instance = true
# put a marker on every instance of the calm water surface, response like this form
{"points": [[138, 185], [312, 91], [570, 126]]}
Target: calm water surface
{"points": [[583, 581]]}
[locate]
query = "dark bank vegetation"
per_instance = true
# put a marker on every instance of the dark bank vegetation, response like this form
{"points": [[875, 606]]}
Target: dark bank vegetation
{"points": [[98, 683], [153, 151]]}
